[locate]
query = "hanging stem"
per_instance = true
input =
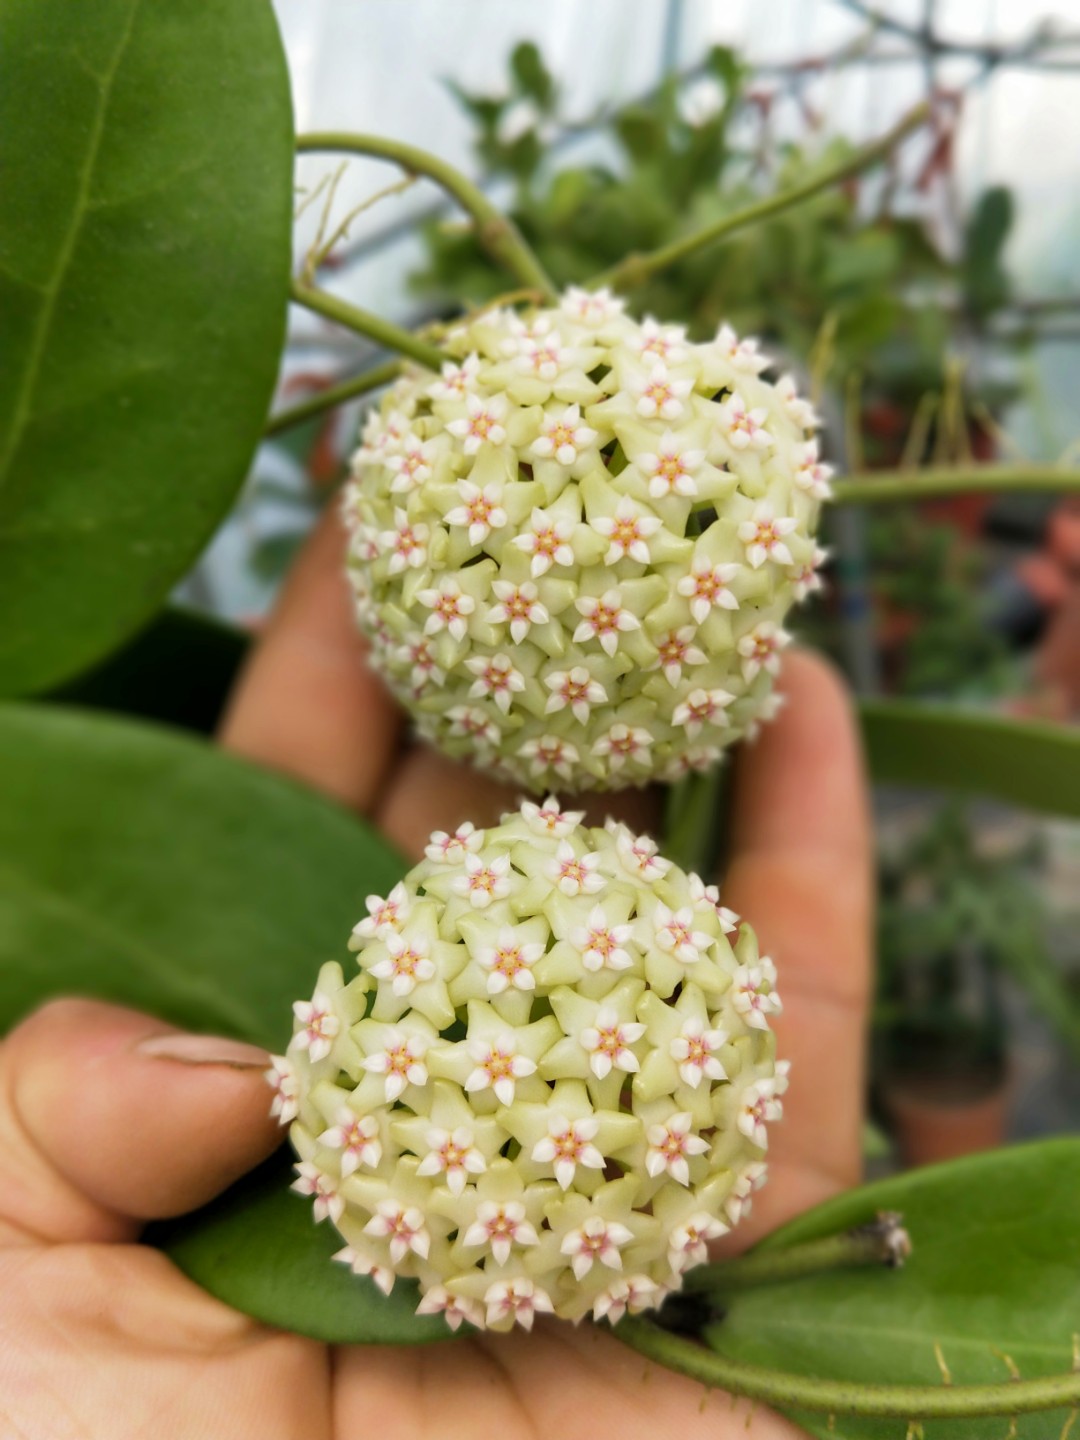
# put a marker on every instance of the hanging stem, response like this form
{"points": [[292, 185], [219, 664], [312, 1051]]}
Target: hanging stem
{"points": [[495, 231], [393, 337], [635, 269], [333, 395], [842, 1397], [887, 485], [883, 1241]]}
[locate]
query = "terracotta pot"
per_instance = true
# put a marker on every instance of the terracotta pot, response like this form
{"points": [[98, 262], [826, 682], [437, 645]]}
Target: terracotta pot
{"points": [[938, 1118]]}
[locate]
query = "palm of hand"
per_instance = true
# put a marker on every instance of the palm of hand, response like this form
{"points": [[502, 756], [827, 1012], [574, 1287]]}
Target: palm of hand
{"points": [[102, 1338]]}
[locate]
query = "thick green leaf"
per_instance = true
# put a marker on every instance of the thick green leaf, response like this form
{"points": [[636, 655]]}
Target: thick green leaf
{"points": [[1021, 761], [179, 670], [995, 1271], [145, 867], [258, 1249], [146, 150]]}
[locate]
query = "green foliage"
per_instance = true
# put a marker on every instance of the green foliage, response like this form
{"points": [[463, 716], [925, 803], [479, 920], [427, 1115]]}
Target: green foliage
{"points": [[986, 283], [144, 867], [992, 1274], [144, 257]]}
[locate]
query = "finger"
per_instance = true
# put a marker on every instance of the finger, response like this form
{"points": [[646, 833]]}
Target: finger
{"points": [[430, 792], [109, 1118], [307, 702], [801, 873]]}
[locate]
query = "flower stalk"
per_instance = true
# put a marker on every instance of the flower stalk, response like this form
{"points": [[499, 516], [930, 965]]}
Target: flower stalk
{"points": [[340, 394], [789, 1391], [635, 269], [384, 332], [882, 1242], [888, 486], [496, 232]]}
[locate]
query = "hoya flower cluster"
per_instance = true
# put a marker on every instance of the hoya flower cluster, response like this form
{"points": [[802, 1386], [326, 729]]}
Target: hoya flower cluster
{"points": [[547, 1085], [574, 549]]}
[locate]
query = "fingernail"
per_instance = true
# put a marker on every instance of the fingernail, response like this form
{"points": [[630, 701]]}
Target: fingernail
{"points": [[205, 1050]]}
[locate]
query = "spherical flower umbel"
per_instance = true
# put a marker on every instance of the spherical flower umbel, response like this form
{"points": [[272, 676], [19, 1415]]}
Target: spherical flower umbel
{"points": [[582, 524], [549, 1081]]}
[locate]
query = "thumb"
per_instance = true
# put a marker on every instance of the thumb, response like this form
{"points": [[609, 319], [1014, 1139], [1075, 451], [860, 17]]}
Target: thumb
{"points": [[109, 1118]]}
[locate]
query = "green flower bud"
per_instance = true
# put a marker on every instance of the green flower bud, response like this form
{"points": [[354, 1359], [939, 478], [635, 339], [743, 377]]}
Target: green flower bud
{"points": [[547, 1087], [573, 551]]}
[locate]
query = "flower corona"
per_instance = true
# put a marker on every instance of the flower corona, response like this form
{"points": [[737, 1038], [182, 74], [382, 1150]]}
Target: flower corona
{"points": [[573, 551], [549, 1083]]}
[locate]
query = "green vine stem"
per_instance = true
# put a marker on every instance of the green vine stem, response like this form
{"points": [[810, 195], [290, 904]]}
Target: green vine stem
{"points": [[885, 486], [842, 1397], [637, 268], [883, 1241], [333, 395], [495, 231], [384, 332]]}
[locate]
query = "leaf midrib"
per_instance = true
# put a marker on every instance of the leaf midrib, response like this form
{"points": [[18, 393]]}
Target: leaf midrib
{"points": [[51, 291], [169, 969], [922, 1339]]}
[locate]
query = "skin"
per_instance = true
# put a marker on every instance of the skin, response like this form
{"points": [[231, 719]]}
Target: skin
{"points": [[102, 1338]]}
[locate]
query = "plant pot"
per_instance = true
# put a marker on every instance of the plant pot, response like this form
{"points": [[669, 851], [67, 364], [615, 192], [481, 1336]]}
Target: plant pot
{"points": [[939, 1117]]}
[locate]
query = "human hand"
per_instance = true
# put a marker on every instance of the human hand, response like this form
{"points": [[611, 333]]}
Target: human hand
{"points": [[108, 1118]]}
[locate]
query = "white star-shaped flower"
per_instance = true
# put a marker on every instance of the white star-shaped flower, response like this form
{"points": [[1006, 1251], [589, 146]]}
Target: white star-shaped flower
{"points": [[760, 649], [811, 474], [520, 1300], [753, 1003], [406, 543], [456, 381], [483, 880], [362, 1264], [604, 619], [805, 579], [446, 849], [500, 1227], [575, 874], [758, 1105], [592, 308], [286, 1086], [665, 343], [607, 1043], [700, 708], [481, 510], [660, 395], [403, 1227], [453, 1155], [629, 531], [710, 895], [519, 606], [742, 354], [482, 422], [450, 608], [740, 1201], [401, 1060], [498, 1066], [694, 1051], [545, 357], [763, 535], [384, 916], [800, 410], [601, 944], [597, 1239], [329, 1204], [411, 466], [670, 1145], [454, 1309], [407, 965], [550, 819], [688, 1243], [567, 1145], [706, 587], [768, 709], [745, 428], [357, 1137], [547, 540], [671, 469], [496, 678], [562, 437], [319, 1025], [623, 743], [468, 720], [550, 752], [575, 688], [633, 1293], [675, 934], [509, 962], [639, 856], [675, 650]]}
